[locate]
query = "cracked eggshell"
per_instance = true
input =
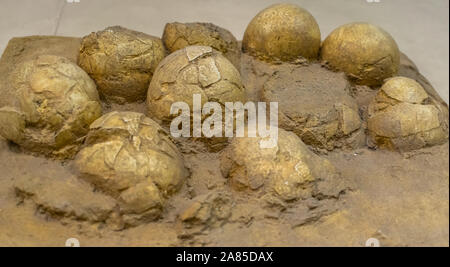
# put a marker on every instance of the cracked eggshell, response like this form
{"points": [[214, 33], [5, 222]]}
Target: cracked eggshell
{"points": [[177, 36], [403, 89], [193, 70], [365, 52], [401, 117], [289, 170], [55, 103], [121, 62], [124, 149], [282, 32], [130, 157]]}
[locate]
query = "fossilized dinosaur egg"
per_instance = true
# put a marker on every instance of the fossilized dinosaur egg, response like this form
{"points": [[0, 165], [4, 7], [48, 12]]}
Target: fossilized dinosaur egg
{"points": [[121, 62], [179, 35], [194, 70], [282, 32], [130, 157], [401, 117], [288, 170], [364, 51], [55, 103]]}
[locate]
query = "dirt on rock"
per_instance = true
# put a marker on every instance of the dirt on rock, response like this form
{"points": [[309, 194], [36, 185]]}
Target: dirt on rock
{"points": [[401, 198], [328, 117]]}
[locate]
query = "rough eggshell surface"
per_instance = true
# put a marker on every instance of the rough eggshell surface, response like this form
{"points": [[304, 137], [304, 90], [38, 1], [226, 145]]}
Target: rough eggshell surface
{"points": [[193, 70], [315, 104], [55, 103], [121, 62], [402, 117], [282, 32], [289, 170], [130, 157], [367, 53], [179, 35]]}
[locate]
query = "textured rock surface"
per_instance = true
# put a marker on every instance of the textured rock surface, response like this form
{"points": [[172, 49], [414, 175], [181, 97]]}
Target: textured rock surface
{"points": [[364, 51], [289, 171], [282, 32], [179, 35], [401, 117], [55, 102], [73, 200], [131, 158], [207, 211], [121, 62], [315, 104]]}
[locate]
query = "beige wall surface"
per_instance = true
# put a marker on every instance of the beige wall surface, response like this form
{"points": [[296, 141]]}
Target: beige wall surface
{"points": [[420, 27]]}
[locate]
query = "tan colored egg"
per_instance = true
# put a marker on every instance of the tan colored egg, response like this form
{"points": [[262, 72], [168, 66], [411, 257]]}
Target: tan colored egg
{"points": [[131, 158], [289, 170], [401, 117], [365, 52], [56, 101], [179, 35], [193, 70], [282, 32], [121, 62]]}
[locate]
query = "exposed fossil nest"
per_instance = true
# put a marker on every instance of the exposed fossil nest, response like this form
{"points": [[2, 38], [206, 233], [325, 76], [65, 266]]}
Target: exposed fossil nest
{"points": [[289, 170], [179, 35], [402, 117], [131, 158], [364, 51], [55, 102], [121, 62], [282, 32], [283, 190], [315, 104]]}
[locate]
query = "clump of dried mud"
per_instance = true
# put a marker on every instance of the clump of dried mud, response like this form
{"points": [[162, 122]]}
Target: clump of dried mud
{"points": [[400, 198]]}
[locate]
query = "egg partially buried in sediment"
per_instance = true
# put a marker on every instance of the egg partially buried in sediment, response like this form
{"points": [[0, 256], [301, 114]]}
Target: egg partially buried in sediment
{"points": [[365, 52], [131, 158], [401, 117], [121, 62], [55, 103]]}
